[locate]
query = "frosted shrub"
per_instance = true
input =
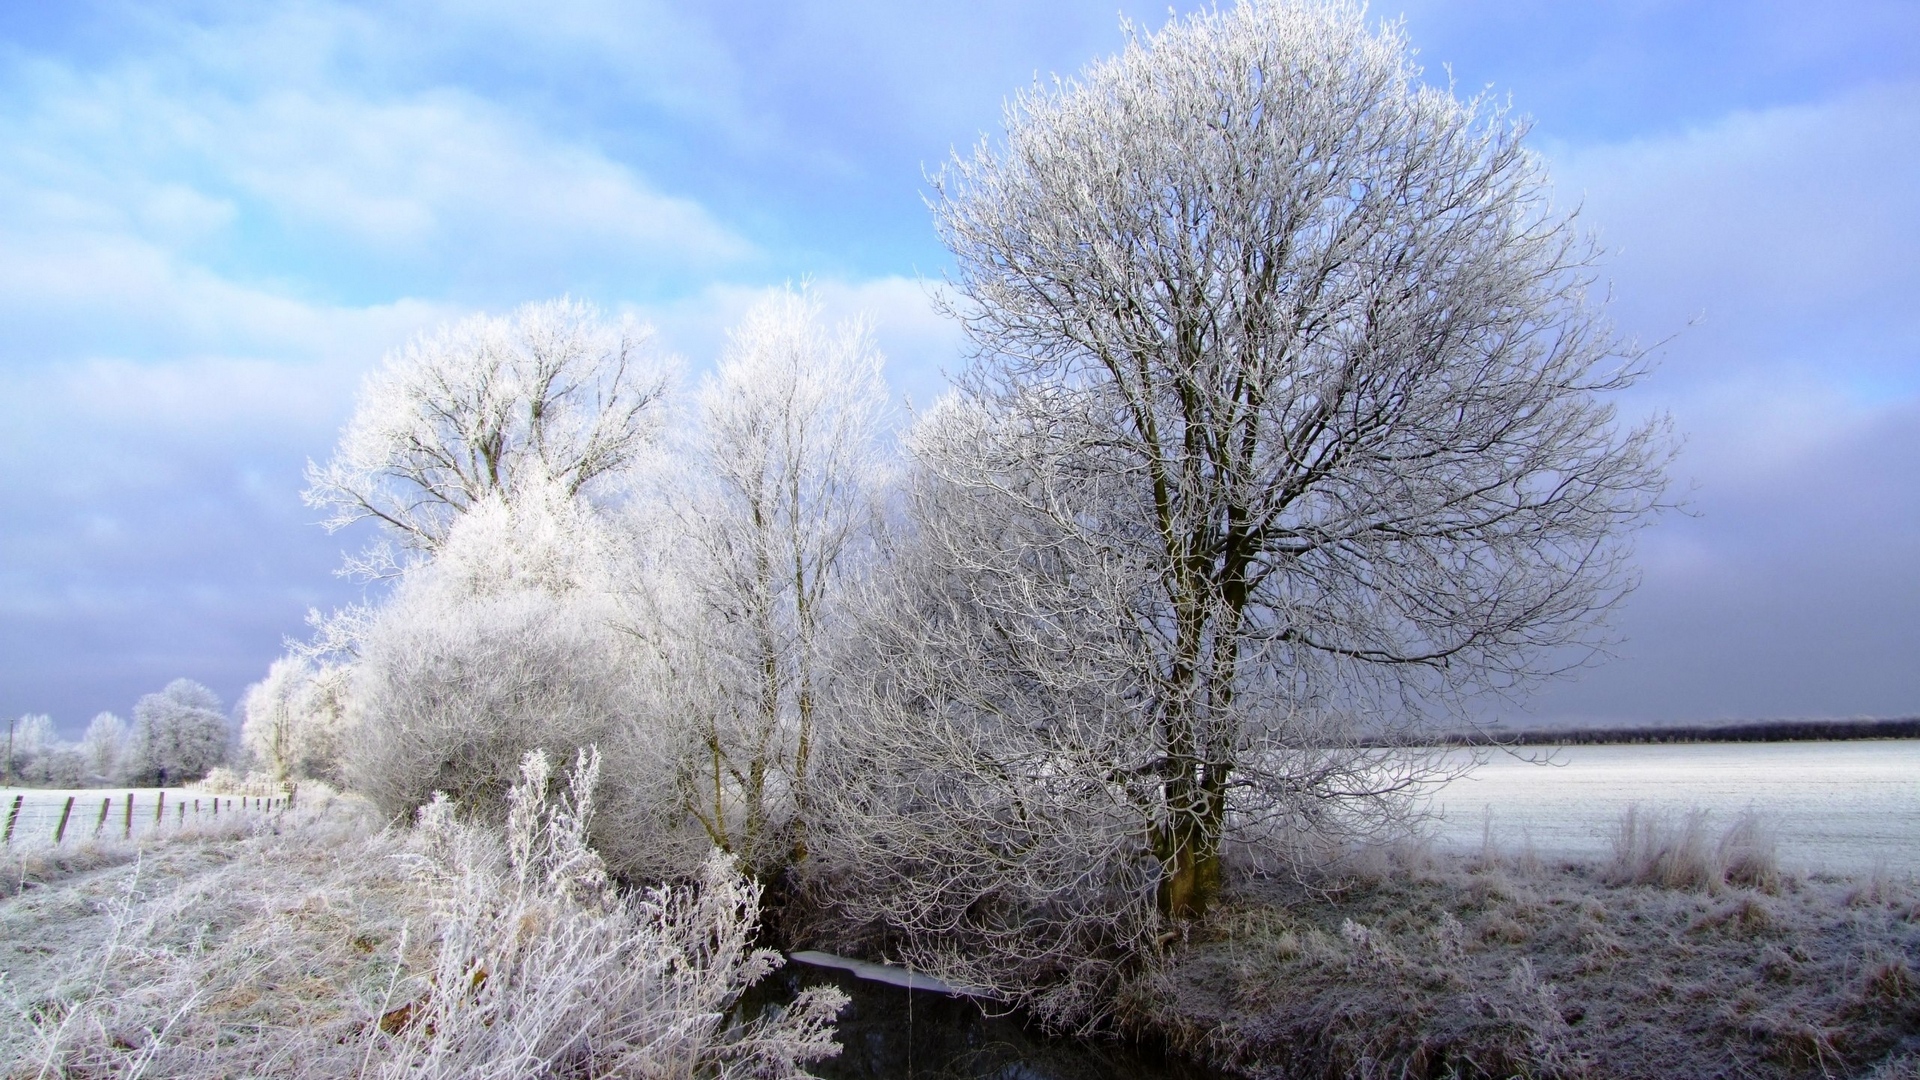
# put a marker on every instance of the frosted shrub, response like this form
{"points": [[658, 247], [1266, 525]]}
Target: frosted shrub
{"points": [[39, 756], [450, 700], [510, 640], [543, 971]]}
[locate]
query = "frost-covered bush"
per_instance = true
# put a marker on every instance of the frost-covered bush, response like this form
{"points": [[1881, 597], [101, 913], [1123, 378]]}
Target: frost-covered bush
{"points": [[38, 756], [515, 638], [27, 738], [60, 766], [179, 735], [450, 692]]}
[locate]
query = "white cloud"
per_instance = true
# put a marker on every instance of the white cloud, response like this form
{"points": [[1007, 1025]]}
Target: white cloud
{"points": [[1790, 229], [306, 181], [1788, 233], [70, 296], [410, 177]]}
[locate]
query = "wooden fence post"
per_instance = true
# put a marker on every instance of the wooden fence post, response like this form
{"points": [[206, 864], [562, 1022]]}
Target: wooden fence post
{"points": [[102, 823], [160, 808], [13, 816], [128, 834], [182, 815], [60, 830]]}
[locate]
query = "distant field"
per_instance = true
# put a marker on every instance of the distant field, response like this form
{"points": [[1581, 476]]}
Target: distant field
{"points": [[1726, 731], [1842, 807], [40, 810]]}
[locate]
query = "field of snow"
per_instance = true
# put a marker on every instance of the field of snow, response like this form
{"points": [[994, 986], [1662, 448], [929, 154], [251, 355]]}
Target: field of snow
{"points": [[1841, 807], [40, 808]]}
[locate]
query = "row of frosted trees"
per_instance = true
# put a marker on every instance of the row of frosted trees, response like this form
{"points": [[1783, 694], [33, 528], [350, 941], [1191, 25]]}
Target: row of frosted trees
{"points": [[178, 734], [1283, 436]]}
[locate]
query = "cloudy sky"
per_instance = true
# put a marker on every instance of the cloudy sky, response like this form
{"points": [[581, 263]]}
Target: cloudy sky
{"points": [[216, 217]]}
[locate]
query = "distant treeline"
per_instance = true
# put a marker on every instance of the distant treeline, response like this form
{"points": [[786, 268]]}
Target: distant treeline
{"points": [[1749, 731]]}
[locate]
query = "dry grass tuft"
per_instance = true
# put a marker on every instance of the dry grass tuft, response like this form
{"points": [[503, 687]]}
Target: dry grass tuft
{"points": [[1882, 889], [1681, 852]]}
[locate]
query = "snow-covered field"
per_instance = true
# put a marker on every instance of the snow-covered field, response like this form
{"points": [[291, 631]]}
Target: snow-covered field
{"points": [[40, 811], [1842, 807]]}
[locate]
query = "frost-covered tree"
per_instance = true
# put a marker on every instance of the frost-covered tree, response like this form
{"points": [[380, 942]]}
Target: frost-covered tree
{"points": [[104, 745], [294, 719], [1285, 429], [481, 408], [179, 735], [39, 756], [27, 737], [785, 462]]}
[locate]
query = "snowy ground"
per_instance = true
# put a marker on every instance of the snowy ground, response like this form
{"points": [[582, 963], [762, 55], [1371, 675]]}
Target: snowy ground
{"points": [[1840, 807]]}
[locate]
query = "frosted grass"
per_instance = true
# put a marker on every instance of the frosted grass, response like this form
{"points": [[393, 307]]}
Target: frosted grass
{"points": [[1838, 807]]}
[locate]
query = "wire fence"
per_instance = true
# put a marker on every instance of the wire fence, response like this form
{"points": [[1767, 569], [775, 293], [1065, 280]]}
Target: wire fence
{"points": [[39, 817]]}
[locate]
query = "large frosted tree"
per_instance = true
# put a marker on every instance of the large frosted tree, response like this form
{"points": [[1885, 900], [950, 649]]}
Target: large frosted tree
{"points": [[179, 735], [1286, 432]]}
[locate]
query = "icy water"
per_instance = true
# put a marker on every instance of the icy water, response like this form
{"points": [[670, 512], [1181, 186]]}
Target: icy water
{"points": [[1838, 807], [890, 1033]]}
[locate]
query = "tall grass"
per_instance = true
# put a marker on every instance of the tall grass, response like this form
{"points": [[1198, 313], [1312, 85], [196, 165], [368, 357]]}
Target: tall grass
{"points": [[543, 970], [1683, 851]]}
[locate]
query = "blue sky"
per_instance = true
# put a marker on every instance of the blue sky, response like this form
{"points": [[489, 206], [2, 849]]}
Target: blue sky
{"points": [[216, 217]]}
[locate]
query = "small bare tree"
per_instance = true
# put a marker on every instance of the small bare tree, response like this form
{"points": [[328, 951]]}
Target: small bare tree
{"points": [[104, 744], [1285, 432], [785, 459], [482, 406], [293, 720]]}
